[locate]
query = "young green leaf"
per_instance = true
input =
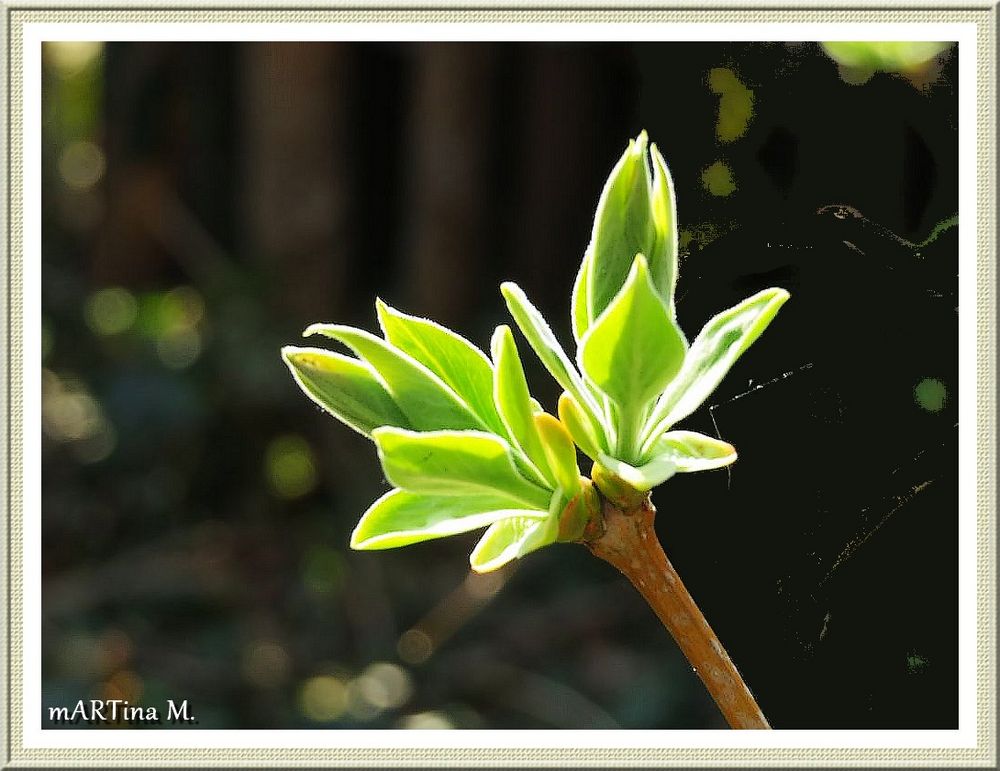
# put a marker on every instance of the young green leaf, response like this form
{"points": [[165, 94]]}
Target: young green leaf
{"points": [[663, 268], [580, 310], [513, 402], [581, 511], [636, 214], [425, 400], [691, 451], [623, 226], [455, 463], [510, 539], [717, 347], [449, 356], [538, 334], [400, 518], [578, 426], [346, 388], [634, 349], [641, 478], [560, 451]]}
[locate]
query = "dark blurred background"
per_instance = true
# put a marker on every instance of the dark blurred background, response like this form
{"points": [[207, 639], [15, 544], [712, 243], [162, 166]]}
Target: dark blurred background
{"points": [[203, 203]]}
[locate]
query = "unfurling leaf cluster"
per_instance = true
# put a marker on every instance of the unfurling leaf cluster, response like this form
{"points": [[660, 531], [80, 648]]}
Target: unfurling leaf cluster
{"points": [[466, 446], [457, 433]]}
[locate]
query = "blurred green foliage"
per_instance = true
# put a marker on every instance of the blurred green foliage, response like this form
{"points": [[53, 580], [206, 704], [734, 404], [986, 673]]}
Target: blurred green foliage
{"points": [[889, 56], [861, 59]]}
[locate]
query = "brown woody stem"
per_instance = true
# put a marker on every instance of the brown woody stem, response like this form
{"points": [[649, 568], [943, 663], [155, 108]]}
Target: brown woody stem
{"points": [[629, 542]]}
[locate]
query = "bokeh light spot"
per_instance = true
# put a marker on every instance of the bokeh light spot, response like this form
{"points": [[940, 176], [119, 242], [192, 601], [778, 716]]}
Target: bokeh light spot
{"points": [[432, 720], [290, 467], [171, 319], [385, 685], [81, 165], [415, 646], [69, 416], [323, 698], [181, 308], [718, 179], [110, 311], [931, 394], [266, 664], [98, 446], [358, 707], [123, 685], [68, 57], [69, 412], [735, 104]]}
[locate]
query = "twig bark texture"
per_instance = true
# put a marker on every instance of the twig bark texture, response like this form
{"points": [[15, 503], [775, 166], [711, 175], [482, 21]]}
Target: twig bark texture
{"points": [[629, 543]]}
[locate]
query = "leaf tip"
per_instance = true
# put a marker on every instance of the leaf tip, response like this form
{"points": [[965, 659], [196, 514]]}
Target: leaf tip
{"points": [[384, 312], [500, 339], [778, 297], [640, 265], [479, 568], [727, 453], [509, 288], [293, 355], [662, 181]]}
